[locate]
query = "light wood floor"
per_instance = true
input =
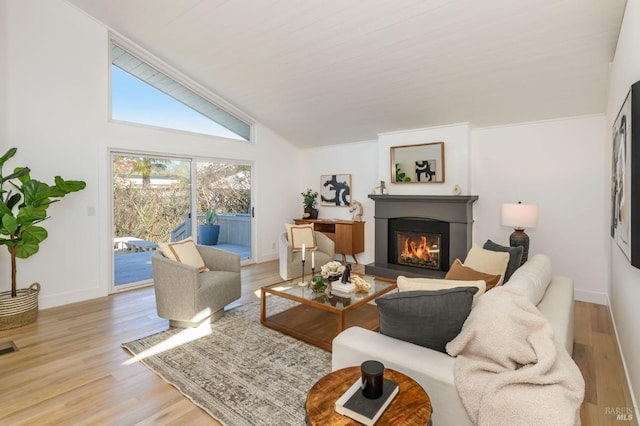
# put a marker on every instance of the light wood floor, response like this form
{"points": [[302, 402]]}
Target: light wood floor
{"points": [[70, 369]]}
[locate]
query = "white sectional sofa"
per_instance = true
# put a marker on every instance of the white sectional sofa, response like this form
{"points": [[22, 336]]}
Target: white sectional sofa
{"points": [[553, 296]]}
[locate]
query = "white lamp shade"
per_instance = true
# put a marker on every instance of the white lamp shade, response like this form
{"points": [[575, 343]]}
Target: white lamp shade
{"points": [[520, 215]]}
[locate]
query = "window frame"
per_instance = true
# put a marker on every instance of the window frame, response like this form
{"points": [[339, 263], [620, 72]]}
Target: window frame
{"points": [[181, 79]]}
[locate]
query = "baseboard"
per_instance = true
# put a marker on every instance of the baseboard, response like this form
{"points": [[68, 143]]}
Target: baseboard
{"points": [[591, 297], [60, 299], [268, 257], [624, 364]]}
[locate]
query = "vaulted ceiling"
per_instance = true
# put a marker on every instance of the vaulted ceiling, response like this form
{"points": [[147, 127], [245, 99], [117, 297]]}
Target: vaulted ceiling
{"points": [[332, 71]]}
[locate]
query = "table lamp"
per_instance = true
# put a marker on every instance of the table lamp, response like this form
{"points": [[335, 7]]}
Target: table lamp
{"points": [[520, 216]]}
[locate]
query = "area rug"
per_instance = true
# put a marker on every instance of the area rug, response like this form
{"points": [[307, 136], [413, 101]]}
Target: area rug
{"points": [[242, 373]]}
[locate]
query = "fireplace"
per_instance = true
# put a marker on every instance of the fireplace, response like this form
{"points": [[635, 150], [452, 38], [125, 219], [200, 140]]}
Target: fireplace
{"points": [[419, 243], [420, 235]]}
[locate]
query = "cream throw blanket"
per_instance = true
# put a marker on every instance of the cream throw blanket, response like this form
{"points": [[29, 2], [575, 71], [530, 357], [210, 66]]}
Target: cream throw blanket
{"points": [[509, 369]]}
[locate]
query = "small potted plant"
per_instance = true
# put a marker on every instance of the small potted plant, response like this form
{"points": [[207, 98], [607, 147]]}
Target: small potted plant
{"points": [[209, 231], [319, 284], [309, 201], [23, 206]]}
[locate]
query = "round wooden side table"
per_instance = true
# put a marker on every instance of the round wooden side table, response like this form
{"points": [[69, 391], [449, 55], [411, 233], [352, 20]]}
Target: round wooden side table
{"points": [[411, 406]]}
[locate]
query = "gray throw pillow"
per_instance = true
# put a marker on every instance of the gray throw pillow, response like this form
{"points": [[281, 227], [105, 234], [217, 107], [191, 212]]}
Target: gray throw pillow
{"points": [[426, 318], [515, 256]]}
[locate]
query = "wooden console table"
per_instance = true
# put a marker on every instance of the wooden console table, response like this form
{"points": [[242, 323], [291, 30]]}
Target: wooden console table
{"points": [[346, 234]]}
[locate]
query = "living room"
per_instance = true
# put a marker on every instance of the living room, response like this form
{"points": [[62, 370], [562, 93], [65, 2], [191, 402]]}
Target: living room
{"points": [[55, 91]]}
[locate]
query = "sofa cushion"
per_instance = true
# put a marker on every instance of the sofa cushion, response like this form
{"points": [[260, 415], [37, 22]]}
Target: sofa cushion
{"points": [[487, 261], [299, 235], [184, 251], [463, 273], [426, 318], [515, 256], [412, 284], [532, 278]]}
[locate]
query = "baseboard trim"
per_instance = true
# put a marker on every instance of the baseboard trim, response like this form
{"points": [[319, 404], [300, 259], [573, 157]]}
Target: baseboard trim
{"points": [[59, 299], [624, 364], [591, 297]]}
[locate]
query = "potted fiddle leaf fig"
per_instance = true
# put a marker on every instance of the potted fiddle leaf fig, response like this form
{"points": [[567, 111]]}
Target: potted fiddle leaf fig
{"points": [[209, 232], [23, 206]]}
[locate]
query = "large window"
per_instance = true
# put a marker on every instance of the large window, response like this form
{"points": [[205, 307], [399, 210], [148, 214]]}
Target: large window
{"points": [[140, 93]]}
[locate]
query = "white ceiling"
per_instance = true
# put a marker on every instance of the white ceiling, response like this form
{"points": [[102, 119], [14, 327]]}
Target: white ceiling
{"points": [[322, 72]]}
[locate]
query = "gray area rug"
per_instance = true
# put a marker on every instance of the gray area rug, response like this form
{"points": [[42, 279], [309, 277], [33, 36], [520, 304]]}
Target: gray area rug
{"points": [[242, 373]]}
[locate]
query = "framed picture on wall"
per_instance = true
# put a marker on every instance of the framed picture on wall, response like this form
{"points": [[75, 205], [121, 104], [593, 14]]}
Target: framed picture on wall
{"points": [[335, 190], [625, 177]]}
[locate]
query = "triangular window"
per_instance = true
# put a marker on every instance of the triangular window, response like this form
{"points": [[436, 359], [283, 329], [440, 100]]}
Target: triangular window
{"points": [[142, 94]]}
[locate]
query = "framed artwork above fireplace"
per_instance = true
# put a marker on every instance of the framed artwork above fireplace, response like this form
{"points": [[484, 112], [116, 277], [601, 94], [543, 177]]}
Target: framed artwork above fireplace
{"points": [[420, 163]]}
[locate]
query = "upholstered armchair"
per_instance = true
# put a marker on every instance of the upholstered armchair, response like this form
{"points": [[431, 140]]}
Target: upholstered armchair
{"points": [[187, 297], [291, 261]]}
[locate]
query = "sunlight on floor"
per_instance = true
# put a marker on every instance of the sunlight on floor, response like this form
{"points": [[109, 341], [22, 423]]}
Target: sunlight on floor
{"points": [[185, 336]]}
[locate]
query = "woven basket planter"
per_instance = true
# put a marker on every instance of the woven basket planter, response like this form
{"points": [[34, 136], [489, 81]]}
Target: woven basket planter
{"points": [[20, 310]]}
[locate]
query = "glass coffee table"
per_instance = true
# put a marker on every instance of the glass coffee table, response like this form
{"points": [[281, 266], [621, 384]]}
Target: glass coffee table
{"points": [[317, 318]]}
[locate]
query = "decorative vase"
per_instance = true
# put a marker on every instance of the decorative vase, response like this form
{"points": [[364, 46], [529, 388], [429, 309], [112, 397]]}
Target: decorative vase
{"points": [[312, 213], [208, 234], [20, 310]]}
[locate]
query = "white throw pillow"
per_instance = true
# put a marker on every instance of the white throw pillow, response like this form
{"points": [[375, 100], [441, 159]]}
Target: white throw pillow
{"points": [[301, 234], [411, 284], [532, 278], [487, 261], [184, 251]]}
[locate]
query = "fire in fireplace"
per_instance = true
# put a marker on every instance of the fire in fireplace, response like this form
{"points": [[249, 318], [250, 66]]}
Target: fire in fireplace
{"points": [[418, 244], [418, 249]]}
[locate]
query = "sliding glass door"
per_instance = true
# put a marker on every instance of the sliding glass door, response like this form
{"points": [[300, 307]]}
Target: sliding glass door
{"points": [[223, 202], [155, 201], [151, 205]]}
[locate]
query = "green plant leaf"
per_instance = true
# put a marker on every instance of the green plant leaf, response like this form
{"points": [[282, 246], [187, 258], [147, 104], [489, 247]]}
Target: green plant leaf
{"points": [[13, 200], [29, 245], [30, 214], [69, 186], [4, 209], [10, 153], [36, 193], [9, 224], [18, 173]]}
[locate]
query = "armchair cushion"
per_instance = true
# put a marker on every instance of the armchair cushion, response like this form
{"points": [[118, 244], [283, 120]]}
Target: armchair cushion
{"points": [[300, 235], [184, 251]]}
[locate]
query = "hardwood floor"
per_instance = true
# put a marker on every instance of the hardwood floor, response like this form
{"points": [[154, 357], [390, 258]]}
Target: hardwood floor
{"points": [[71, 370]]}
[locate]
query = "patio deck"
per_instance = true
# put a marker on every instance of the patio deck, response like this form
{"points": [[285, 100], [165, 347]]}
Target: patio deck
{"points": [[136, 267]]}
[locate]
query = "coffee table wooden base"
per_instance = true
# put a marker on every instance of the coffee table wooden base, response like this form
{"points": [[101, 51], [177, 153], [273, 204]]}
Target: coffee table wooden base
{"points": [[411, 406]]}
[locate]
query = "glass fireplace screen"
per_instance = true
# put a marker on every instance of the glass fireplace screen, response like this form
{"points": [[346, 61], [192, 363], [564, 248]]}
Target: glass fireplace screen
{"points": [[418, 249]]}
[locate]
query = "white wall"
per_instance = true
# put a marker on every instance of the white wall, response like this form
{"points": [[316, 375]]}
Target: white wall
{"points": [[57, 85], [625, 279], [456, 158], [3, 78], [360, 159], [562, 166], [370, 162]]}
